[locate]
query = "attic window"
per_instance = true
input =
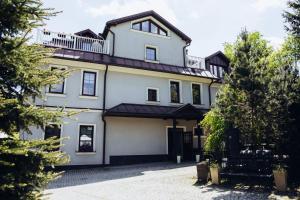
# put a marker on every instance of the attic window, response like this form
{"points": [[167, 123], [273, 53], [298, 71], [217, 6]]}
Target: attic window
{"points": [[149, 26]]}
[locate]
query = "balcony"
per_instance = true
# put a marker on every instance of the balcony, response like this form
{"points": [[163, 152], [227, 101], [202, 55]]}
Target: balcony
{"points": [[70, 41], [195, 62]]}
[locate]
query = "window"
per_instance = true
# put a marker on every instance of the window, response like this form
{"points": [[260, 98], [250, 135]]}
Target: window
{"points": [[175, 91], [151, 53], [149, 26], [52, 130], [86, 138], [154, 28], [89, 83], [152, 94], [145, 26], [58, 87], [196, 92]]}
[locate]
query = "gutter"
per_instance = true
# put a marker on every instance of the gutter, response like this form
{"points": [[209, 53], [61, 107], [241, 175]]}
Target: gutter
{"points": [[184, 53], [103, 117]]}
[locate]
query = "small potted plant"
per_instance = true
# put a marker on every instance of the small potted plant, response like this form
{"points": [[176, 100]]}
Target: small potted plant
{"points": [[280, 178], [215, 172]]}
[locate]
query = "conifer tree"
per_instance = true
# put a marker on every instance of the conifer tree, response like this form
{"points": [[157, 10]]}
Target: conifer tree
{"points": [[22, 78]]}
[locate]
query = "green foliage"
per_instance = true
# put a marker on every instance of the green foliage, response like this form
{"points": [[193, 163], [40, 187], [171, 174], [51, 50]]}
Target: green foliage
{"points": [[242, 101], [214, 124], [22, 78]]}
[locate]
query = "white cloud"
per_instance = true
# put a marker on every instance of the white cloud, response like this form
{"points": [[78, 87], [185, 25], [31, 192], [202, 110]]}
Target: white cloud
{"points": [[262, 5], [121, 8], [276, 42]]}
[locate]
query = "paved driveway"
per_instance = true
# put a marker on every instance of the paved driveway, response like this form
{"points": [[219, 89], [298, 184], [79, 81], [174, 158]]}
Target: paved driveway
{"points": [[148, 181]]}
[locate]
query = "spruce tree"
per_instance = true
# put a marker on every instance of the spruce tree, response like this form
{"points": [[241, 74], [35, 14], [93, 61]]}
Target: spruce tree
{"points": [[22, 78]]}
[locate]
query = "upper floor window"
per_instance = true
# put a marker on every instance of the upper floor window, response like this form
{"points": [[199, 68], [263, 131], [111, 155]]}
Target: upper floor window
{"points": [[149, 26], [175, 91], [86, 138], [152, 94], [151, 53], [89, 83], [196, 92], [58, 87]]}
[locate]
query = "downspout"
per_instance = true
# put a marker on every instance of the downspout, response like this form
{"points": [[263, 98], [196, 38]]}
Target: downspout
{"points": [[103, 117], [113, 48], [184, 53], [209, 92]]}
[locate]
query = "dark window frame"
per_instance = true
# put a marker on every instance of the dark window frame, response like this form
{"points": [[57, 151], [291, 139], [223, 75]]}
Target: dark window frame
{"points": [[157, 94], [178, 92], [63, 84], [159, 28], [155, 53], [92, 138], [82, 89], [200, 93]]}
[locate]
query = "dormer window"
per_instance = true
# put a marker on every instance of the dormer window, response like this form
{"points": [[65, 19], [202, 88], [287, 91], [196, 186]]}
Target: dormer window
{"points": [[150, 27]]}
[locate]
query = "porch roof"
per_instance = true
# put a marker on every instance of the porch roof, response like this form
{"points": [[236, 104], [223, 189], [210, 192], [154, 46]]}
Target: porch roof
{"points": [[186, 111]]}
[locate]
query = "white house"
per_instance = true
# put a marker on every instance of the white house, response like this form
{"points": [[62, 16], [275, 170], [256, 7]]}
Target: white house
{"points": [[142, 95]]}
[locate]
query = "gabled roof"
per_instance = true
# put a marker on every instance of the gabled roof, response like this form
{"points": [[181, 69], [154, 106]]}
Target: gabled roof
{"points": [[152, 13], [218, 58], [87, 33], [186, 111]]}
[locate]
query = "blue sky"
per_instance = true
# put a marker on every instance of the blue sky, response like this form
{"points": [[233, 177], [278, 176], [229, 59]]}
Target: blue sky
{"points": [[210, 23]]}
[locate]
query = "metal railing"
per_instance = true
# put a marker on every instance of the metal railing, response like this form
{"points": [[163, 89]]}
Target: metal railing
{"points": [[195, 62], [70, 41]]}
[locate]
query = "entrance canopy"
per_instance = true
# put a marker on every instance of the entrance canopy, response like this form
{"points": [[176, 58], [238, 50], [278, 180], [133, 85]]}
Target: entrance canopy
{"points": [[187, 111]]}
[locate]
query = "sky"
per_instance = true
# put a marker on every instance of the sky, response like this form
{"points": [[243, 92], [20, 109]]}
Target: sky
{"points": [[210, 23]]}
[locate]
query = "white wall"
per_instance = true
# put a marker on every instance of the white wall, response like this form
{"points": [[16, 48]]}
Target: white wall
{"points": [[131, 44]]}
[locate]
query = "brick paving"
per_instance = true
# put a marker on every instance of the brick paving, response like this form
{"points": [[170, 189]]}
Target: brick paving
{"points": [[165, 181]]}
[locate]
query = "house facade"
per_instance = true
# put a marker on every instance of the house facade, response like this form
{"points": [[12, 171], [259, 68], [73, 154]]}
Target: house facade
{"points": [[139, 95]]}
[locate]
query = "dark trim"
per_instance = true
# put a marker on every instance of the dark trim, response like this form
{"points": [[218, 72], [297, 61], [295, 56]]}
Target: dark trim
{"points": [[137, 159], [103, 117], [115, 22], [159, 28], [82, 89], [80, 108], [63, 85]]}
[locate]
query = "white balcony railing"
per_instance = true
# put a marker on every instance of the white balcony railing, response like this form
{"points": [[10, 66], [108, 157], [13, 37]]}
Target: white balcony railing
{"points": [[195, 62], [70, 41]]}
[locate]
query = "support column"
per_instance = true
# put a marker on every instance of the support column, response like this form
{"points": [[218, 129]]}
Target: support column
{"points": [[199, 133]]}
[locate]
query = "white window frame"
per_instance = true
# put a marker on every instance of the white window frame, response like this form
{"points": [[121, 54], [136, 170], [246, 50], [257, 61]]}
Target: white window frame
{"points": [[78, 139], [96, 87], [156, 51], [180, 91], [167, 138], [48, 93], [157, 95], [201, 93]]}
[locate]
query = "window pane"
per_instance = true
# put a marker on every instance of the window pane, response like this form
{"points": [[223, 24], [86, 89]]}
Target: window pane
{"points": [[174, 88], [57, 88], [150, 53], [136, 26], [89, 83], [145, 26], [162, 32], [86, 138], [152, 95], [52, 130], [196, 94], [154, 28]]}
